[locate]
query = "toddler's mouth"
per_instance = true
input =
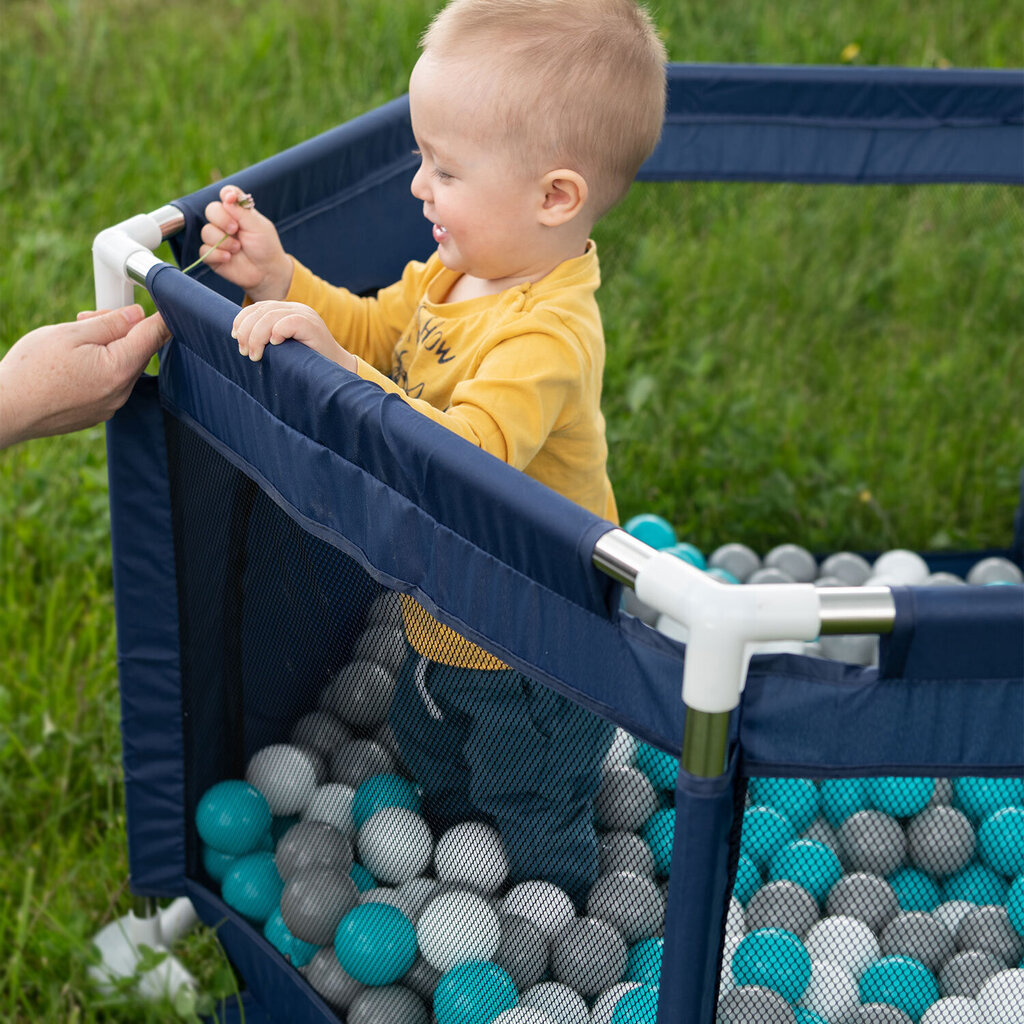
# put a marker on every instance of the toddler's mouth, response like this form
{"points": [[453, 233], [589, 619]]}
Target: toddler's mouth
{"points": [[440, 233]]}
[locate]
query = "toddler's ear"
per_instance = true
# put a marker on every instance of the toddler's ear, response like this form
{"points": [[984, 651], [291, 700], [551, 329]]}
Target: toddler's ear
{"points": [[565, 194]]}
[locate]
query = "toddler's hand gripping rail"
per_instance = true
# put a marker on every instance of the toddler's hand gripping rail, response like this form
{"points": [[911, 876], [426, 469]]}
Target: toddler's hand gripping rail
{"points": [[724, 622]]}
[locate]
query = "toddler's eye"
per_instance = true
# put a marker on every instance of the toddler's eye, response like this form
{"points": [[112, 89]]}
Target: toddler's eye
{"points": [[441, 175]]}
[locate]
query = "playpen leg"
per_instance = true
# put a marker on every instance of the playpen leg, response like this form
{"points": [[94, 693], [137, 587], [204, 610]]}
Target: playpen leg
{"points": [[143, 931]]}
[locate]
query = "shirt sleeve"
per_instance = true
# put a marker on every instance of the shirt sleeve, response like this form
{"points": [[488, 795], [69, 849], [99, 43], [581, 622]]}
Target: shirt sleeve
{"points": [[366, 326], [526, 387]]}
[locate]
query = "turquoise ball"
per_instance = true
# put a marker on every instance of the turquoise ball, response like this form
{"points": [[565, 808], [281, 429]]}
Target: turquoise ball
{"points": [[899, 796], [774, 958], [748, 879], [644, 963], [807, 863], [363, 879], [383, 791], [915, 890], [1015, 905], [473, 993], [1001, 841], [797, 799], [233, 817], [651, 529], [252, 886], [375, 943], [637, 1006], [658, 833], [765, 832], [688, 553], [661, 768], [841, 798], [276, 932], [975, 883], [900, 981], [978, 798]]}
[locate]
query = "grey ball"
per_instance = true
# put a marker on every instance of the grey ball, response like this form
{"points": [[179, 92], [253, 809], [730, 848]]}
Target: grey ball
{"points": [[793, 559], [383, 644], [315, 900], [522, 950], [392, 1004], [920, 936], [754, 1004], [822, 832], [386, 610], [625, 799], [994, 570], [770, 574], [848, 566], [632, 904], [879, 1013], [321, 732], [391, 896], [966, 973], [737, 559], [782, 904], [422, 978], [310, 844], [942, 795], [988, 930], [330, 980], [624, 851], [867, 897], [360, 694], [872, 842], [940, 840], [356, 761], [589, 955]]}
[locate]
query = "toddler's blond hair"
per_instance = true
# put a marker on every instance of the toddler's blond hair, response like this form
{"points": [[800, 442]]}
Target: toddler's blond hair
{"points": [[574, 83]]}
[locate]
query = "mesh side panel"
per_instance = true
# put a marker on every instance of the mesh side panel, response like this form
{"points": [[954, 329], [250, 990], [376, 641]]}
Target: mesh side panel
{"points": [[877, 899], [410, 832]]}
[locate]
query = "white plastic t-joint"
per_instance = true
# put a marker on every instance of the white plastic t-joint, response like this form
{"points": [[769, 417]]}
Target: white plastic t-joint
{"points": [[724, 622], [111, 250]]}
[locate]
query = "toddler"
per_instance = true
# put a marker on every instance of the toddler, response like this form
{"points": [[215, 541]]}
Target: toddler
{"points": [[531, 119]]}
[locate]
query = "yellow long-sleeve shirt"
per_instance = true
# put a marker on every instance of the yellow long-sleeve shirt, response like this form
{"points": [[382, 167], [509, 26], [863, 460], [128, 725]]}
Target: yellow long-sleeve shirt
{"points": [[518, 374]]}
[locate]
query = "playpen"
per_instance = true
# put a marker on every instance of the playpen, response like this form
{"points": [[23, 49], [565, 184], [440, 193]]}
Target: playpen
{"points": [[267, 517]]}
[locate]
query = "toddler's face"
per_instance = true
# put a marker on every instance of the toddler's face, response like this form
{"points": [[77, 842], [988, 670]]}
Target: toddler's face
{"points": [[483, 207]]}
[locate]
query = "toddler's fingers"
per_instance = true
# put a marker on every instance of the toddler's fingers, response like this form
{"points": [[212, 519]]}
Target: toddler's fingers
{"points": [[221, 217]]}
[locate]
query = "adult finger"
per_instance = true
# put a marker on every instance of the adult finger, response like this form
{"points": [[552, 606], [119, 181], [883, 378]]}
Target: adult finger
{"points": [[103, 327]]}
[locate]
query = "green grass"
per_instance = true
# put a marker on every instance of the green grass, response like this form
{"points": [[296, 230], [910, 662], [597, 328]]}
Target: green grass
{"points": [[839, 367]]}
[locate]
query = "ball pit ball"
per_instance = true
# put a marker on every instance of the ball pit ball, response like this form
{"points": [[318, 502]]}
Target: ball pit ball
{"points": [[783, 904], [638, 1006], [980, 797], [769, 574], [604, 1005], [956, 1010], [653, 530], [975, 883], [286, 775], [851, 568], [624, 851], [966, 973], [661, 768], [632, 904], [543, 903], [375, 944], [386, 1005], [457, 927], [832, 991], [625, 799], [394, 845], [356, 761], [1001, 840], [940, 840], [919, 936], [900, 796], [360, 694], [422, 979], [765, 831], [736, 559], [252, 886], [320, 732], [805, 1016], [384, 645], [622, 750], [872, 842], [748, 879], [387, 894], [994, 569], [331, 981], [1002, 990], [906, 568], [659, 833], [944, 579], [522, 950], [915, 890], [813, 866], [312, 844], [378, 791], [754, 1004], [294, 949], [314, 901], [473, 992], [559, 1002], [472, 852], [822, 832], [233, 816], [589, 955], [866, 897], [215, 863], [523, 1015], [736, 918], [879, 1013], [645, 959], [797, 799], [844, 941], [688, 553], [988, 930], [773, 958], [1015, 905], [794, 560], [332, 803], [902, 982], [952, 912]]}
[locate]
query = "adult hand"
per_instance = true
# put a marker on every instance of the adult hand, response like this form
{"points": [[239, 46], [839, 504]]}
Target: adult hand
{"points": [[68, 376]]}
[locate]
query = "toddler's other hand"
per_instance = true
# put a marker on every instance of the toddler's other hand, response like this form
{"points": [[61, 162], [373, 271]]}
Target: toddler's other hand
{"points": [[252, 256], [270, 323]]}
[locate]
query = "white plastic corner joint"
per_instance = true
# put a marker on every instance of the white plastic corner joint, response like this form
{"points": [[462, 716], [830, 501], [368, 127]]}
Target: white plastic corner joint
{"points": [[112, 248], [724, 622]]}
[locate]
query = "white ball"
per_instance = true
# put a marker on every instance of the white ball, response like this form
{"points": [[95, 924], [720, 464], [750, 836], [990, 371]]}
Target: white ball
{"points": [[1001, 999], [524, 1015], [543, 903], [906, 567], [952, 1010], [623, 749], [832, 992], [394, 845], [736, 920], [844, 941], [604, 1008], [457, 927], [561, 1003], [726, 980], [472, 852], [332, 802], [286, 775], [952, 913]]}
